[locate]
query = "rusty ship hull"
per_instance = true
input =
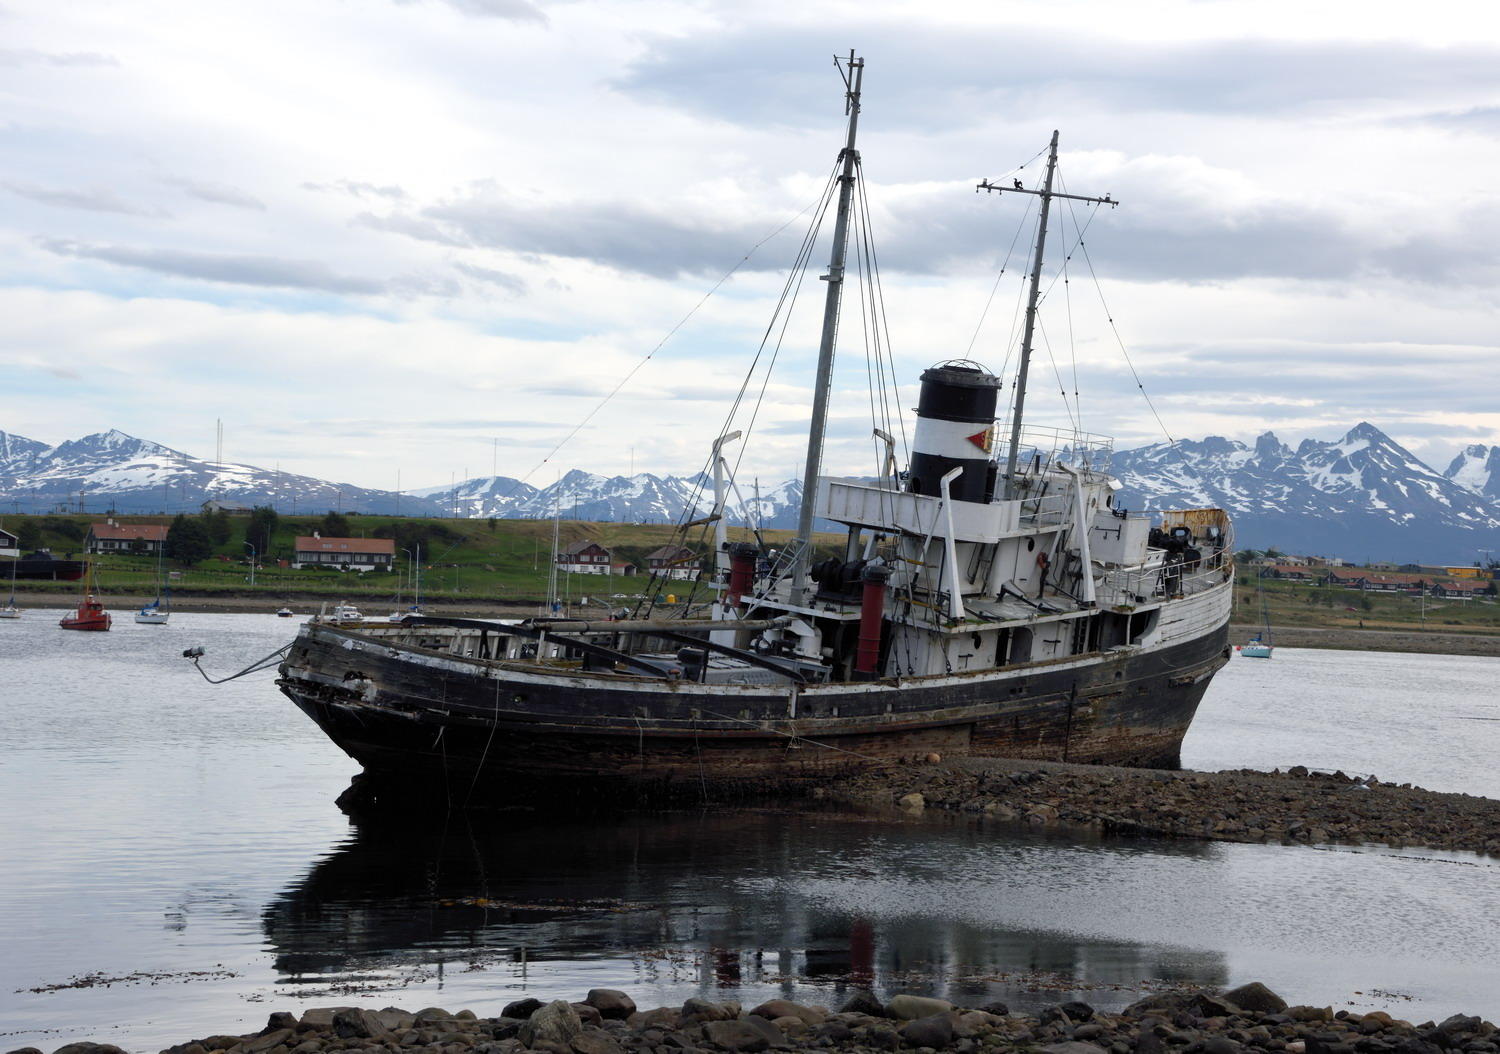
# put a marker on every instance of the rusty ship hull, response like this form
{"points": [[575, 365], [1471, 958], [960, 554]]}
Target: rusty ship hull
{"points": [[470, 732]]}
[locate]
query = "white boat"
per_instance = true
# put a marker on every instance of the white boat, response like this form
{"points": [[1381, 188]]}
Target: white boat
{"points": [[1259, 646], [345, 613], [285, 613], [153, 614], [159, 610], [10, 610]]}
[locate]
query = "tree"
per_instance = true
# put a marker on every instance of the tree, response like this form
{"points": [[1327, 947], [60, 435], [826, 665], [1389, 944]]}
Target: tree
{"points": [[219, 527], [188, 541], [335, 525], [262, 529]]}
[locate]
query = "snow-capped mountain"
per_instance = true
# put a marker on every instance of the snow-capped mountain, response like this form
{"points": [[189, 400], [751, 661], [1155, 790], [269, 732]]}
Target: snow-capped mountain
{"points": [[642, 498], [112, 470], [1477, 468], [1360, 496]]}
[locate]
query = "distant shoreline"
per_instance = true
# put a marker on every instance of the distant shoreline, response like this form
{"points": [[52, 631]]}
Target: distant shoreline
{"points": [[1340, 639], [1433, 642]]}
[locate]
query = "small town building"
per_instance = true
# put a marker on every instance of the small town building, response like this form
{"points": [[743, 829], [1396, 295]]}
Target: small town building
{"points": [[673, 561], [1291, 572], [1460, 589], [585, 557], [357, 554], [233, 508], [1395, 582], [112, 537], [10, 544], [622, 569], [1345, 577]]}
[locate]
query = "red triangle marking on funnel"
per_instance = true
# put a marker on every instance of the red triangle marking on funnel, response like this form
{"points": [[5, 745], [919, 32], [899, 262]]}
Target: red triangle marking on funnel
{"points": [[981, 440]]}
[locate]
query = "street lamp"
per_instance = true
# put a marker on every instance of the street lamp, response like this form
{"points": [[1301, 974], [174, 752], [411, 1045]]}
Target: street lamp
{"points": [[252, 562]]}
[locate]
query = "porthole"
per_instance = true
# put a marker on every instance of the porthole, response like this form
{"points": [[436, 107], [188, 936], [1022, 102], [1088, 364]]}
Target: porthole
{"points": [[1030, 544]]}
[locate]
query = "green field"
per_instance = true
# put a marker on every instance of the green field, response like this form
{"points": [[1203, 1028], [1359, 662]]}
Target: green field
{"points": [[495, 561], [1305, 604]]}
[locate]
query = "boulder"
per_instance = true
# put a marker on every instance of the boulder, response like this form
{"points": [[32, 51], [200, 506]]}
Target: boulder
{"points": [[556, 1022], [269, 1040], [587, 1014], [279, 1020], [615, 1005], [911, 1007], [521, 1008], [1255, 997], [775, 1038], [320, 1017], [696, 1009], [663, 1017], [934, 1030], [88, 1048], [863, 1001], [1077, 1010], [1213, 1006], [778, 1008], [996, 1008], [1221, 1045], [595, 1041], [359, 1024], [913, 801], [737, 1036], [1158, 1003]]}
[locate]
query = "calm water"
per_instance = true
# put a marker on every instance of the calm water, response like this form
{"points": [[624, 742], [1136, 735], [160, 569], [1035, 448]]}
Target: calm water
{"points": [[178, 842]]}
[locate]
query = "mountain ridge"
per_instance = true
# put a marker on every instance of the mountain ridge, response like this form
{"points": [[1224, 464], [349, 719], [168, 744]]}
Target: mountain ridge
{"points": [[1362, 495]]}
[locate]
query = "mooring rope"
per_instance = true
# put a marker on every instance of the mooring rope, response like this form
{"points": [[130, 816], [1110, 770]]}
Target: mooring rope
{"points": [[196, 654]]}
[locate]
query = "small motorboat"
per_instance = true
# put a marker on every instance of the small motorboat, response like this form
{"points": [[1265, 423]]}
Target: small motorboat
{"points": [[345, 613], [1255, 648], [89, 616], [285, 613], [10, 611]]}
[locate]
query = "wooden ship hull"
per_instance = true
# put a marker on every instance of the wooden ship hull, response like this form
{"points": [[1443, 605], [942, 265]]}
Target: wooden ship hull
{"points": [[427, 724]]}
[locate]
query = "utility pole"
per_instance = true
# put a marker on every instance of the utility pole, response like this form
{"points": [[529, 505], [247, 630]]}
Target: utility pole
{"points": [[1046, 194]]}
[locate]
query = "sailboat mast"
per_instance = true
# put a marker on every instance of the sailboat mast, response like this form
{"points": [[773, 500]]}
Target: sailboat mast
{"points": [[1011, 484], [824, 382]]}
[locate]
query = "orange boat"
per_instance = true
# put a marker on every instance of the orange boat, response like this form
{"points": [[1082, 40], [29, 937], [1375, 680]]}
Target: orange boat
{"points": [[90, 615]]}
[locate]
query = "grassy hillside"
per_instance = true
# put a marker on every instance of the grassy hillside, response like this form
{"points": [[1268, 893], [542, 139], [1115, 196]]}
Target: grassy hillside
{"points": [[494, 560], [1304, 604]]}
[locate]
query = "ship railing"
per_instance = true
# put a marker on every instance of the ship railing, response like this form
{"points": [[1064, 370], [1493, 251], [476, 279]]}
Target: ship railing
{"points": [[1042, 448], [1159, 579]]}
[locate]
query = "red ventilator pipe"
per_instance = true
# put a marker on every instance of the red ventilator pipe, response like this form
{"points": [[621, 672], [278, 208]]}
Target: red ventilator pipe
{"points": [[742, 557], [871, 619]]}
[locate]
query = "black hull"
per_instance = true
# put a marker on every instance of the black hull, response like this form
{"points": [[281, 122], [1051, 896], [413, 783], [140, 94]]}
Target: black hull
{"points": [[472, 733], [30, 569]]}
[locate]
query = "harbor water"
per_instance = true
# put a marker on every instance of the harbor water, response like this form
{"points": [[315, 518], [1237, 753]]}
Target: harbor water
{"points": [[174, 866]]}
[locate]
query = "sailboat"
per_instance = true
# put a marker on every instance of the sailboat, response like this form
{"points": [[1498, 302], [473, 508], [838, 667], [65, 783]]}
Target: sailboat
{"points": [[990, 599], [10, 610], [1259, 646], [90, 614], [159, 610]]}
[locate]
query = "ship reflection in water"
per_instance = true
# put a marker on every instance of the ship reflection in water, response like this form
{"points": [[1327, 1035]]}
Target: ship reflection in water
{"points": [[748, 904]]}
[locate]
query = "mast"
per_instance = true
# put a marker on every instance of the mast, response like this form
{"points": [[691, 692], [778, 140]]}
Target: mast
{"points": [[1046, 194], [853, 78]]}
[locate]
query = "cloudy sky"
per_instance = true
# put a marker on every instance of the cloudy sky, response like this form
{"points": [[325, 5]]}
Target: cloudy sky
{"points": [[429, 235]]}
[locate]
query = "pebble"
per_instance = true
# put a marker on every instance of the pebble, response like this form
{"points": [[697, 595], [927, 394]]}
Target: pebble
{"points": [[1250, 1018], [1298, 806]]}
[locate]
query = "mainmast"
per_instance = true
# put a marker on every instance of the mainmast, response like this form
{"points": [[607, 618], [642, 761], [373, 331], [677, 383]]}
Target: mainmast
{"points": [[1012, 487], [853, 74]]}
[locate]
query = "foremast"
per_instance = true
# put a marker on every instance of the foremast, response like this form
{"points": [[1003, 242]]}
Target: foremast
{"points": [[1012, 486], [852, 69]]}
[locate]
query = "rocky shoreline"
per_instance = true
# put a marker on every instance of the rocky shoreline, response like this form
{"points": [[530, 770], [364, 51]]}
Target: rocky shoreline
{"points": [[1246, 1020], [1297, 806]]}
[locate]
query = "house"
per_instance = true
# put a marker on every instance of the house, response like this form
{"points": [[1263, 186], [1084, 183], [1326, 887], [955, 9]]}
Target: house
{"points": [[1346, 577], [112, 537], [673, 561], [584, 558], [358, 554], [10, 544], [1460, 589], [1291, 572], [622, 569], [1395, 582], [233, 508]]}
